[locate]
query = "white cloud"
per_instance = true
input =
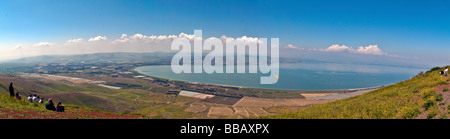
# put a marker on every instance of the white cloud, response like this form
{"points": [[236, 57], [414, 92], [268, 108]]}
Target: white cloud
{"points": [[370, 50], [336, 48], [102, 44], [18, 46], [124, 36], [140, 38], [190, 37], [152, 43], [78, 40], [98, 38], [243, 38], [137, 37], [43, 44], [290, 46]]}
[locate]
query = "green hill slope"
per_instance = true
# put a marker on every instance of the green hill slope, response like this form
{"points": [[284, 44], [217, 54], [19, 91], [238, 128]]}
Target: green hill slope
{"points": [[11, 108], [408, 99]]}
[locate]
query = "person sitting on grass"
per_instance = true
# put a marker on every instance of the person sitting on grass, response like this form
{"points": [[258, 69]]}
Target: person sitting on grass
{"points": [[18, 96], [30, 98], [49, 105], [41, 100], [59, 107], [35, 98]]}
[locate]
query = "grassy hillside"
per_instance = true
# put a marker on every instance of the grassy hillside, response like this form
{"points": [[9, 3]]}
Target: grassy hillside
{"points": [[11, 108], [408, 99], [151, 103], [65, 92]]}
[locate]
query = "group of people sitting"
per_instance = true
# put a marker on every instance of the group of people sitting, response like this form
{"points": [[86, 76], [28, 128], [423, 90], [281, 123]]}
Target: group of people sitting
{"points": [[49, 105], [33, 98]]}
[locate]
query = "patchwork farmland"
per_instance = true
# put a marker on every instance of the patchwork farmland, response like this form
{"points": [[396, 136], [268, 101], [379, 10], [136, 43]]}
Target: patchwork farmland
{"points": [[150, 98], [221, 106]]}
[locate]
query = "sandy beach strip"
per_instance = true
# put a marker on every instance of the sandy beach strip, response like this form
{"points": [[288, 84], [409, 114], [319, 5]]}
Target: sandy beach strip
{"points": [[343, 95]]}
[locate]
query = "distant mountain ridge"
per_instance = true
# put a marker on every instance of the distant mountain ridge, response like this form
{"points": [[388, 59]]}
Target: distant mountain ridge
{"points": [[92, 58], [166, 57]]}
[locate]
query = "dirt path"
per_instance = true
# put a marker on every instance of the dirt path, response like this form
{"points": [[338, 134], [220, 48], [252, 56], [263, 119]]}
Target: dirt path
{"points": [[266, 102], [442, 108], [342, 95], [257, 111], [241, 111], [446, 97]]}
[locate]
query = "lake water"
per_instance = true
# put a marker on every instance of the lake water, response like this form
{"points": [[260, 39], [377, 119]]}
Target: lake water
{"points": [[298, 76]]}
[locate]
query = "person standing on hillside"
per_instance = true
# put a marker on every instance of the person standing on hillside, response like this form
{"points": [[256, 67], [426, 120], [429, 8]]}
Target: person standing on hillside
{"points": [[446, 71], [11, 90]]}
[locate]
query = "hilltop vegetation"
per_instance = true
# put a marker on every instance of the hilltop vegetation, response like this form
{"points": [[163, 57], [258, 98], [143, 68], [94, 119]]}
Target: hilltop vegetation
{"points": [[11, 108], [150, 101], [414, 98]]}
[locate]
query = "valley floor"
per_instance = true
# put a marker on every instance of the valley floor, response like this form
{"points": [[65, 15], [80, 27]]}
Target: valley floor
{"points": [[152, 99]]}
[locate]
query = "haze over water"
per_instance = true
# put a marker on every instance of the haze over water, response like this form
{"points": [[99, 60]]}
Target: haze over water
{"points": [[298, 76]]}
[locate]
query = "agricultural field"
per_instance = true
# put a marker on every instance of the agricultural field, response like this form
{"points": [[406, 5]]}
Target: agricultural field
{"points": [[222, 100], [218, 112], [155, 99]]}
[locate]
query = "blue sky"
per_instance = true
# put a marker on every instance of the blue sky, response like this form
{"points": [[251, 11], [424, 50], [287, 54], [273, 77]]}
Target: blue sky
{"points": [[409, 28]]}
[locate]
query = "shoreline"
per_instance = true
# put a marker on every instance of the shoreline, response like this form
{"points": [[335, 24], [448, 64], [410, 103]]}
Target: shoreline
{"points": [[306, 94], [339, 91]]}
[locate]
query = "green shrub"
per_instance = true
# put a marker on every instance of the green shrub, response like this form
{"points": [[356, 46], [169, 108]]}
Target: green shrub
{"points": [[410, 112], [428, 104], [434, 69], [432, 113], [426, 93], [445, 116], [438, 97], [445, 90]]}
